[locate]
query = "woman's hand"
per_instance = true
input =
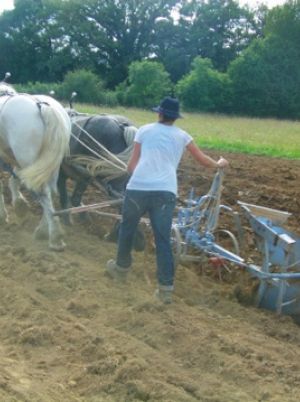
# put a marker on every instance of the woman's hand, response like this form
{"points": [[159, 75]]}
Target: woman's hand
{"points": [[222, 163]]}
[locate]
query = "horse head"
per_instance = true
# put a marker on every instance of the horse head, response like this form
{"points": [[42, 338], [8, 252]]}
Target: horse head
{"points": [[74, 115]]}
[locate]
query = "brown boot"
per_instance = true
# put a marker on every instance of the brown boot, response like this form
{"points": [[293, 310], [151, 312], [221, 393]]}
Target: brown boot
{"points": [[164, 294], [116, 272]]}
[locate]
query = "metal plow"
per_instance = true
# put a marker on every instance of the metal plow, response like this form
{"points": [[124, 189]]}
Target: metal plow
{"points": [[279, 272], [196, 229]]}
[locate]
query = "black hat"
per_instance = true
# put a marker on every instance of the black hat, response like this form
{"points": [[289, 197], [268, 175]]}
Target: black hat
{"points": [[169, 107]]}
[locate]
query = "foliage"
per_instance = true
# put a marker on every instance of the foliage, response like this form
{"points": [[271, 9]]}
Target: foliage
{"points": [[285, 22], [31, 42], [266, 78], [109, 98], [214, 29], [171, 47], [42, 88], [111, 34], [204, 89], [52, 37], [254, 54], [218, 29], [62, 91], [148, 83], [86, 84]]}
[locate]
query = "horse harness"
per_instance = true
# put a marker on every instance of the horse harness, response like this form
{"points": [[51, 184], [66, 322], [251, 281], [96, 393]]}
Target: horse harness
{"points": [[6, 164], [82, 128], [10, 95]]}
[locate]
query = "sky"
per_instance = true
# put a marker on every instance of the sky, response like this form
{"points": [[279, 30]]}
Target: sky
{"points": [[269, 3], [8, 4]]}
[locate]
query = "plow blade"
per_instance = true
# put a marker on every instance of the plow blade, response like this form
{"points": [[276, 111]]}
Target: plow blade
{"points": [[282, 297]]}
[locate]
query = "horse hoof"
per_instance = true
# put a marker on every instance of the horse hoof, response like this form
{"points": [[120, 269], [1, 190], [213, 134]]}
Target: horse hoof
{"points": [[21, 207], [41, 234], [66, 220], [84, 217], [110, 237], [58, 246], [3, 219]]}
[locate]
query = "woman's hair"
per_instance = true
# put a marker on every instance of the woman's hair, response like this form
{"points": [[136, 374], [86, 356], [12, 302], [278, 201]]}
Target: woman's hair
{"points": [[166, 119]]}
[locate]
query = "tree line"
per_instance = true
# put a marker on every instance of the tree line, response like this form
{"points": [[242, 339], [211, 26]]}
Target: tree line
{"points": [[215, 55]]}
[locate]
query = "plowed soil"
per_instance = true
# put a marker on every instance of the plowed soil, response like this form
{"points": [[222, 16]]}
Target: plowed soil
{"points": [[69, 333]]}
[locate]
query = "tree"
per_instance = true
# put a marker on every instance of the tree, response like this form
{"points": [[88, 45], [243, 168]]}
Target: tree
{"points": [[284, 22], [87, 85], [266, 79], [171, 47], [114, 33], [217, 29], [31, 42], [148, 83], [54, 36], [204, 89]]}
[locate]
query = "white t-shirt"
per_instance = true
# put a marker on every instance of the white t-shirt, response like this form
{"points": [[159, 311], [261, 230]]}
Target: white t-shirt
{"points": [[162, 147]]}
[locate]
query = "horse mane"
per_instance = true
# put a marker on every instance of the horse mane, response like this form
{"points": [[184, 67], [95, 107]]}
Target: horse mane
{"points": [[129, 135]]}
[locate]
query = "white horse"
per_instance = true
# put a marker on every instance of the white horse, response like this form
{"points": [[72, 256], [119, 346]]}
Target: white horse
{"points": [[34, 138]]}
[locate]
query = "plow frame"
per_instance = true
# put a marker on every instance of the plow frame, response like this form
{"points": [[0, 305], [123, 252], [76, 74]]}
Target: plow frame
{"points": [[196, 228]]}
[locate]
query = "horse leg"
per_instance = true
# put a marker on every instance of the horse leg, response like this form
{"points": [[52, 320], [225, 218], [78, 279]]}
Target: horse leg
{"points": [[113, 235], [139, 241], [3, 212], [78, 192], [50, 222], [19, 203], [63, 196]]}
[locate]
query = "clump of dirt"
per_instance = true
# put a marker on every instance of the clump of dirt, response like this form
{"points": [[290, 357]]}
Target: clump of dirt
{"points": [[69, 333]]}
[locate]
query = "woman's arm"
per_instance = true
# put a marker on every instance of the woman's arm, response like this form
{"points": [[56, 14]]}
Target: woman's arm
{"points": [[134, 157], [204, 159]]}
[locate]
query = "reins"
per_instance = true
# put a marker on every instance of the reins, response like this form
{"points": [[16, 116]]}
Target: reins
{"points": [[123, 166]]}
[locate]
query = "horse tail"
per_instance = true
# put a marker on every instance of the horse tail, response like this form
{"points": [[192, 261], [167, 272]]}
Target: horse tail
{"points": [[54, 147]]}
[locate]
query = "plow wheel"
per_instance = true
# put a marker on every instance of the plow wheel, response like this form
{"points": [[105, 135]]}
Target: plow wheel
{"points": [[227, 239]]}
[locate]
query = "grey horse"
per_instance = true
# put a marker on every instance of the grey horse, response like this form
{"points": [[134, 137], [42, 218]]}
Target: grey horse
{"points": [[108, 131]]}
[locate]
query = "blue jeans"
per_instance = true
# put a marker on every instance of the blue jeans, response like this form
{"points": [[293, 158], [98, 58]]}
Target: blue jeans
{"points": [[160, 207]]}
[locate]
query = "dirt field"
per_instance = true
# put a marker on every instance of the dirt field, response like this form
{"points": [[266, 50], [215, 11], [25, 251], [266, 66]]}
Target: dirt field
{"points": [[69, 333]]}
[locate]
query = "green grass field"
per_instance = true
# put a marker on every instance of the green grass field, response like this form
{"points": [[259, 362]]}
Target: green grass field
{"points": [[277, 138]]}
